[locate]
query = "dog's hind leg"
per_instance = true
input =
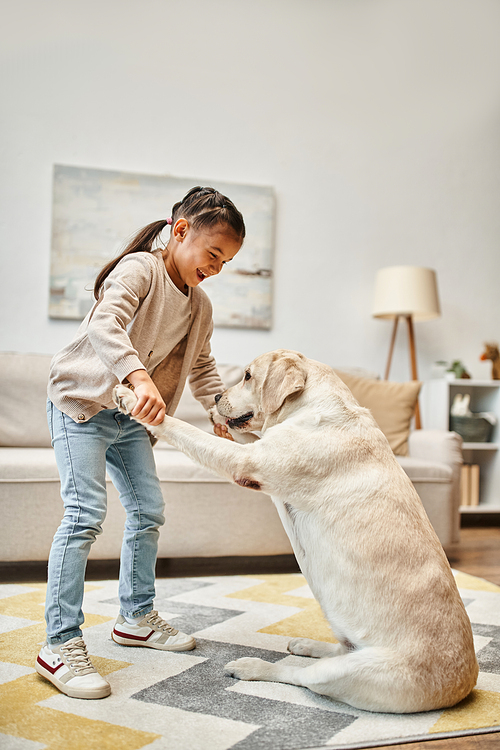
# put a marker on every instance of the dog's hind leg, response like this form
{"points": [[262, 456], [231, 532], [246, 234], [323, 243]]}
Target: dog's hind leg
{"points": [[363, 679], [316, 649]]}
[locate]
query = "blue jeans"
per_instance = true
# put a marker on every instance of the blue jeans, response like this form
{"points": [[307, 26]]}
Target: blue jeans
{"points": [[113, 441]]}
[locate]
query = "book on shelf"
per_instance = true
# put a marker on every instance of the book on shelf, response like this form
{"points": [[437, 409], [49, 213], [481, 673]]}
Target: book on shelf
{"points": [[469, 485]]}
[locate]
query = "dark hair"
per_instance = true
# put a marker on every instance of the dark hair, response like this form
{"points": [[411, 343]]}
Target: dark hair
{"points": [[203, 207]]}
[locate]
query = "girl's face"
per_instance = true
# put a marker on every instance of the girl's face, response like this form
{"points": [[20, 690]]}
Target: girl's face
{"points": [[192, 256]]}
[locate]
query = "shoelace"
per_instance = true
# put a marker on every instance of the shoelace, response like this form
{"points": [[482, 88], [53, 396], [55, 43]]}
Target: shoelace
{"points": [[78, 658], [156, 621]]}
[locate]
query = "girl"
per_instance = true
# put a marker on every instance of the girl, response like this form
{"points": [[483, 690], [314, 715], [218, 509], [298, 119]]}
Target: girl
{"points": [[150, 327]]}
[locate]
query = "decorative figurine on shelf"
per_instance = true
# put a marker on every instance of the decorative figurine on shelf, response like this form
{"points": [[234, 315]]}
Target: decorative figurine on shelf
{"points": [[460, 406], [491, 352], [458, 370]]}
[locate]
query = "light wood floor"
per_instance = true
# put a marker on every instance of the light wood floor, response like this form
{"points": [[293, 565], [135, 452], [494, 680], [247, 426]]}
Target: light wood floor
{"points": [[476, 742], [478, 553]]}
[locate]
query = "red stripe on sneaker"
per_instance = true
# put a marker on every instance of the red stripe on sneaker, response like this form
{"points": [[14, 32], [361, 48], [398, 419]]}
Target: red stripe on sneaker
{"points": [[46, 666], [133, 637]]}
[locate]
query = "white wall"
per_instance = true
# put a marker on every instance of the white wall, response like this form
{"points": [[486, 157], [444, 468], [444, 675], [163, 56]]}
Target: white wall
{"points": [[376, 121]]}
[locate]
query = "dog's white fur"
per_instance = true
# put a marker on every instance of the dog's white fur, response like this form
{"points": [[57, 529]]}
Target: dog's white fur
{"points": [[358, 530]]}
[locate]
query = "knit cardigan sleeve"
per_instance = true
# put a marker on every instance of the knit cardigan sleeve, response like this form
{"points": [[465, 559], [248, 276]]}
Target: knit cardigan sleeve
{"points": [[123, 290], [204, 379]]}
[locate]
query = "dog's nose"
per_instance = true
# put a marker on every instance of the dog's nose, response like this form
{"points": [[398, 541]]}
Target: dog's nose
{"points": [[218, 398]]}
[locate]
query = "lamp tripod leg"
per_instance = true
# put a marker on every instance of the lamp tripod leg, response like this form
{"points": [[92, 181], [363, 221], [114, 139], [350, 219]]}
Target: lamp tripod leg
{"points": [[413, 362], [391, 347]]}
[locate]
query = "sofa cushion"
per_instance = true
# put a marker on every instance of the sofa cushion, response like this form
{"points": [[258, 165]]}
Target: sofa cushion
{"points": [[28, 465], [391, 404], [23, 416], [39, 465]]}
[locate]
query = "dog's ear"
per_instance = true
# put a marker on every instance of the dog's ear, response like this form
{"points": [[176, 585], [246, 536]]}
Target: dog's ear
{"points": [[285, 375]]}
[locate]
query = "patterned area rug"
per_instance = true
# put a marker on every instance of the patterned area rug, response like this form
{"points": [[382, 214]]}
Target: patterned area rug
{"points": [[184, 701]]}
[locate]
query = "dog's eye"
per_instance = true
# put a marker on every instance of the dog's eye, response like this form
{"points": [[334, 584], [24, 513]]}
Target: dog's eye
{"points": [[247, 375]]}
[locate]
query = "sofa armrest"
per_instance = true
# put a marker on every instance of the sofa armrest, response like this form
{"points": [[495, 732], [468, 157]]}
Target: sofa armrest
{"points": [[441, 446]]}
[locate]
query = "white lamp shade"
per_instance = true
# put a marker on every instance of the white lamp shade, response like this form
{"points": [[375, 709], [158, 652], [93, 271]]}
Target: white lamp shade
{"points": [[406, 290]]}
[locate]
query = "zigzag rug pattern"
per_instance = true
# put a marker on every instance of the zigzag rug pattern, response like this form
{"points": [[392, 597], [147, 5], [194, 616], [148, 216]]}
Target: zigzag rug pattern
{"points": [[185, 701]]}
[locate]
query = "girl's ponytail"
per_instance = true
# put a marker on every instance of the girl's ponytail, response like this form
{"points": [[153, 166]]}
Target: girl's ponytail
{"points": [[142, 242]]}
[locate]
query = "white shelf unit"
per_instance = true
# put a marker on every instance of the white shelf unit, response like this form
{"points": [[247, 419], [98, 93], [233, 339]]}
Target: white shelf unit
{"points": [[436, 400]]}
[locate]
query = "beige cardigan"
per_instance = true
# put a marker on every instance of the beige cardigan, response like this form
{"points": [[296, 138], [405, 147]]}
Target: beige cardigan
{"points": [[119, 336]]}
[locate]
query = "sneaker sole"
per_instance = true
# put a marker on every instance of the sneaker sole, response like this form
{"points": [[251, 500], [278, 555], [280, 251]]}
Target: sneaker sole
{"points": [[159, 647], [95, 694]]}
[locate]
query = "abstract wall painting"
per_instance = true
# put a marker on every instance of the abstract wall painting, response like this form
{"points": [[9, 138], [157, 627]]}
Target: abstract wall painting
{"points": [[95, 212]]}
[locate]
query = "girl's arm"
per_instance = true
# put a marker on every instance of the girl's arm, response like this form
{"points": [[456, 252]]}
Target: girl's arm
{"points": [[205, 383], [204, 380], [123, 291]]}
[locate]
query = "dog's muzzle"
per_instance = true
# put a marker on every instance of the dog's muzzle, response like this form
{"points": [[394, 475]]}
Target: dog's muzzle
{"points": [[239, 421]]}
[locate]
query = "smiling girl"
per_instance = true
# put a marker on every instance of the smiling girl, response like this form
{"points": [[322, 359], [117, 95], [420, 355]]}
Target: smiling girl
{"points": [[150, 327]]}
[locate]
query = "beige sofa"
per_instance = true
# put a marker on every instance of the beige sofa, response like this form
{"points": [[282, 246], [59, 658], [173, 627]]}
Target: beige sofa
{"points": [[206, 516]]}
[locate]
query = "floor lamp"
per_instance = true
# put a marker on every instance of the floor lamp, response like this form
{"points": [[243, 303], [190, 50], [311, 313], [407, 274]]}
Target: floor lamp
{"points": [[406, 292]]}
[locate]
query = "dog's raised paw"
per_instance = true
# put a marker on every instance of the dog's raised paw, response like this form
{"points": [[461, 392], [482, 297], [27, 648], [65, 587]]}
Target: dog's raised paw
{"points": [[124, 398]]}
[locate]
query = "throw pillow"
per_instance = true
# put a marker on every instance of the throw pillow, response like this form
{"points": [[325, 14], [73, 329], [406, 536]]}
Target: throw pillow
{"points": [[392, 406]]}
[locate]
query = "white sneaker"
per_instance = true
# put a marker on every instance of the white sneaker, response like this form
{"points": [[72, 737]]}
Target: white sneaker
{"points": [[152, 632], [69, 668]]}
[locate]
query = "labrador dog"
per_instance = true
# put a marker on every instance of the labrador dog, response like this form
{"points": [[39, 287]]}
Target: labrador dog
{"points": [[359, 532]]}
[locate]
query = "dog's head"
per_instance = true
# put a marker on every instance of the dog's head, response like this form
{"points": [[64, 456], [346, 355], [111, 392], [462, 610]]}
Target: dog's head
{"points": [[268, 381]]}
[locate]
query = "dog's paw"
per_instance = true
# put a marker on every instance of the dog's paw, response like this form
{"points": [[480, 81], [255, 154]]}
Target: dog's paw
{"points": [[215, 417], [315, 649], [247, 668], [301, 646], [124, 398]]}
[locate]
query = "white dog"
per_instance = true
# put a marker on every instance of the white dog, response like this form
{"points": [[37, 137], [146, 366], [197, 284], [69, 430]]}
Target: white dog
{"points": [[358, 530]]}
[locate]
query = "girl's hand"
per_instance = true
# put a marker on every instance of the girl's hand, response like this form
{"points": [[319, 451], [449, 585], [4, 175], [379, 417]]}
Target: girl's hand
{"points": [[150, 407], [222, 431], [219, 424]]}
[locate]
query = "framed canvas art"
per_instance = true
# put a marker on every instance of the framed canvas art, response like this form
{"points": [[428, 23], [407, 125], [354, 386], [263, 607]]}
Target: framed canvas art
{"points": [[96, 212]]}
